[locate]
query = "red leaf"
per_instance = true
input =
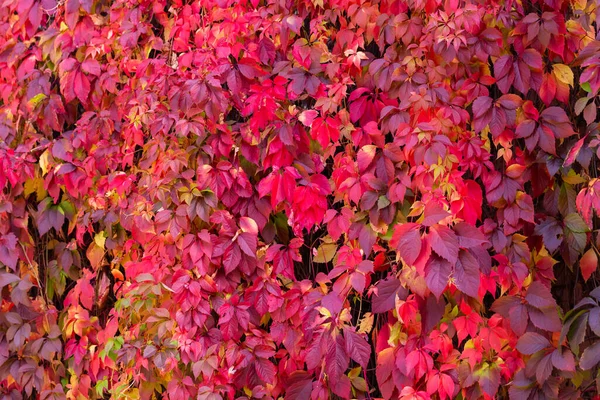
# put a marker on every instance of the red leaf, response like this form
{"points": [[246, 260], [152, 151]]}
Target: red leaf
{"points": [[307, 117], [503, 305], [489, 379], [518, 318], [299, 386], [81, 86], [91, 66], [407, 240], [469, 237], [433, 214], [574, 152], [547, 319], [265, 370]]}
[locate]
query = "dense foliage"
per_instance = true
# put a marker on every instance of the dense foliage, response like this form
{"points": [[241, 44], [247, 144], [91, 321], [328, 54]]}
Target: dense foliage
{"points": [[305, 199]]}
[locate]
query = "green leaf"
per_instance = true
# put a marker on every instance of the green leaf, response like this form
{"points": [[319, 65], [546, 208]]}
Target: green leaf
{"points": [[101, 386], [575, 223], [586, 87]]}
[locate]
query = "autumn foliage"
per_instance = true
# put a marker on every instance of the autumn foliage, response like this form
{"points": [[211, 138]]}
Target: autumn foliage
{"points": [[308, 199]]}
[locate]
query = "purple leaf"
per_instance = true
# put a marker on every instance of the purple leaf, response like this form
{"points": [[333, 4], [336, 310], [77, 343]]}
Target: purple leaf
{"points": [[466, 274], [539, 296], [385, 298], [444, 242], [437, 273], [531, 343], [590, 357]]}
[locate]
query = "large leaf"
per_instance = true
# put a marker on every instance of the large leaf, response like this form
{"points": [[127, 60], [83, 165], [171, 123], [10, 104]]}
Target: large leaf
{"points": [[407, 240], [531, 343], [385, 297], [466, 274], [444, 242], [539, 296], [299, 386], [357, 347], [437, 274], [590, 357], [336, 358]]}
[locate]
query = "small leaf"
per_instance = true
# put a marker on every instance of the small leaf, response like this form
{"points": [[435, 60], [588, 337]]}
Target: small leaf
{"points": [[366, 323], [588, 264], [37, 99]]}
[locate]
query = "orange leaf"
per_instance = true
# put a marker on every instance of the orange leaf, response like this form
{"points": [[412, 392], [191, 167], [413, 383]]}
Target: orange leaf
{"points": [[588, 264]]}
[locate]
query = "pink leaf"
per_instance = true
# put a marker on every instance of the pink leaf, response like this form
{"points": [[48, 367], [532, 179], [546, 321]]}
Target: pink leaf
{"points": [[357, 347]]}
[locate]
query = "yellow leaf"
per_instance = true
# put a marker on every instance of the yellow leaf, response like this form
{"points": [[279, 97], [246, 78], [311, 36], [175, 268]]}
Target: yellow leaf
{"points": [[45, 162], [563, 73], [354, 372], [35, 185], [265, 319], [573, 178], [95, 254], [366, 324], [324, 312], [325, 253]]}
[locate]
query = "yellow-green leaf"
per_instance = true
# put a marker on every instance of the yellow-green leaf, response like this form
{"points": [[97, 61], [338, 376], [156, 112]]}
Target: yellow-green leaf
{"points": [[100, 239], [325, 253], [37, 99]]}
